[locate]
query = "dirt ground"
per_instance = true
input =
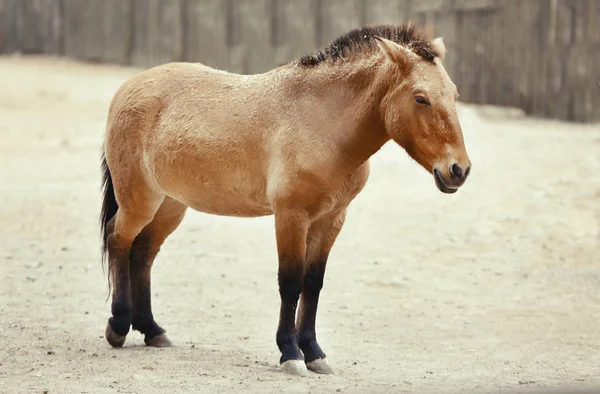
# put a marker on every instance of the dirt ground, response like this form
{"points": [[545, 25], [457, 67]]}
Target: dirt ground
{"points": [[493, 289]]}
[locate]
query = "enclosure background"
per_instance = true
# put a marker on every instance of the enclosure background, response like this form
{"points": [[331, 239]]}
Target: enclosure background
{"points": [[540, 55]]}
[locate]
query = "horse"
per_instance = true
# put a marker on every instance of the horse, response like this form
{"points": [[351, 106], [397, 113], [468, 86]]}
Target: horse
{"points": [[293, 142]]}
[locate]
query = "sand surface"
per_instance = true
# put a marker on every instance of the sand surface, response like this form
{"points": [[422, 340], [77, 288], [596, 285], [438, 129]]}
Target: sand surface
{"points": [[493, 289]]}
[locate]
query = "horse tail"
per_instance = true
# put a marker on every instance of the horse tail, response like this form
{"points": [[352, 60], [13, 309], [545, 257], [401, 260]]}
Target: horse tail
{"points": [[109, 208]]}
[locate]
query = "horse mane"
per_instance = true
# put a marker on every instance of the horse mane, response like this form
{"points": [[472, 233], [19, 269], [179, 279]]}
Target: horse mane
{"points": [[361, 41]]}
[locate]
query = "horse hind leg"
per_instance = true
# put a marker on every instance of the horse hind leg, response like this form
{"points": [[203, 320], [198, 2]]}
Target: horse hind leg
{"points": [[143, 252], [133, 214]]}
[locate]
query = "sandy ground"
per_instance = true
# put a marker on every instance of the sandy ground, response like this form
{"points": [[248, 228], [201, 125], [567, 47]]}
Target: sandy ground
{"points": [[493, 289]]}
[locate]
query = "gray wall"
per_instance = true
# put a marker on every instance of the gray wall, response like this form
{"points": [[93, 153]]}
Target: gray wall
{"points": [[539, 55]]}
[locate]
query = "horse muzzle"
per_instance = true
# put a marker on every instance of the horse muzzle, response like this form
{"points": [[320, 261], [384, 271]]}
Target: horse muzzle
{"points": [[455, 179]]}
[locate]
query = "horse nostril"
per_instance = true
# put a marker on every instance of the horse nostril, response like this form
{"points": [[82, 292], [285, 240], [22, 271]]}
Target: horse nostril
{"points": [[467, 171], [456, 171]]}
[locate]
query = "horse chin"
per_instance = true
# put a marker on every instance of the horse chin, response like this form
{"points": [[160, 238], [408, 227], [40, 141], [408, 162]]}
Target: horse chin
{"points": [[439, 182]]}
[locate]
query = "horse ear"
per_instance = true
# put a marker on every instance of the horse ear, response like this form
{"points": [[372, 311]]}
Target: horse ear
{"points": [[393, 52], [438, 45]]}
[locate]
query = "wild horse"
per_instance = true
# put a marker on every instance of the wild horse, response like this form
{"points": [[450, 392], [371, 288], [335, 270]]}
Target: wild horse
{"points": [[293, 142]]}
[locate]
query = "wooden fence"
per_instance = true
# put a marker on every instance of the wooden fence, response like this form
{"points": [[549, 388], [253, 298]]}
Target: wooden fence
{"points": [[539, 55]]}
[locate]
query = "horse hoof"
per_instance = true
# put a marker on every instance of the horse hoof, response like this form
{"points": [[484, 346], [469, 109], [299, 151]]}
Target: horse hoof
{"points": [[161, 340], [294, 367], [319, 366], [113, 338]]}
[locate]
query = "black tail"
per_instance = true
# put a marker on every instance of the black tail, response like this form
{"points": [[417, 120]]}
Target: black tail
{"points": [[109, 208]]}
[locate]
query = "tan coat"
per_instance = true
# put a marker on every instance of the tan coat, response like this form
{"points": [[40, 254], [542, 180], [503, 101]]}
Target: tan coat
{"points": [[293, 142]]}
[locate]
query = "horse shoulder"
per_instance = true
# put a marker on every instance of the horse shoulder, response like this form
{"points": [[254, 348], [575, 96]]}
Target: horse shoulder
{"points": [[318, 191]]}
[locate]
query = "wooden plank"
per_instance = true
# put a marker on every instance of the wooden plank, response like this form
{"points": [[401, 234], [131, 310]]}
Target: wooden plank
{"points": [[252, 26], [429, 23], [538, 48], [158, 33], [527, 52], [206, 33], [339, 17], [553, 80], [446, 26], [580, 67], [564, 39], [459, 78], [477, 47], [459, 56], [501, 53], [472, 5], [117, 28], [378, 12], [559, 51], [522, 56], [97, 31], [472, 71], [470, 55], [594, 50], [407, 6], [550, 60], [537, 68], [563, 22], [580, 90], [580, 14], [78, 24], [418, 18], [487, 70], [296, 29], [496, 54], [512, 60], [593, 29], [143, 49], [477, 52], [11, 26], [425, 6], [42, 27]]}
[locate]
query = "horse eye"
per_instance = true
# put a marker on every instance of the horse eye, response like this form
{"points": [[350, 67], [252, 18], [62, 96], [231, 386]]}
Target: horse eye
{"points": [[421, 100]]}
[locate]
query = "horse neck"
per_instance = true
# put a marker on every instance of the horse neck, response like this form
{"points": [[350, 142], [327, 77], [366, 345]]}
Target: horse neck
{"points": [[351, 96]]}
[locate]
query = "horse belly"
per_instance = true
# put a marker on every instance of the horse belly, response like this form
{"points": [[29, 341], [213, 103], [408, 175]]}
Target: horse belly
{"points": [[220, 197], [226, 204], [210, 187]]}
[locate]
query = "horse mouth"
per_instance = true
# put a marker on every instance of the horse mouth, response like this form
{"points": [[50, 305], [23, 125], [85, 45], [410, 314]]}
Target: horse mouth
{"points": [[441, 185]]}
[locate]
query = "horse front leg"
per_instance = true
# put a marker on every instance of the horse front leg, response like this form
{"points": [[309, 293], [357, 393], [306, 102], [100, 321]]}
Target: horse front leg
{"points": [[320, 240], [291, 230]]}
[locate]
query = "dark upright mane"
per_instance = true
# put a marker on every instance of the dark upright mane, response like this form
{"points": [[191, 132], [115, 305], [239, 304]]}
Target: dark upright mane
{"points": [[362, 40]]}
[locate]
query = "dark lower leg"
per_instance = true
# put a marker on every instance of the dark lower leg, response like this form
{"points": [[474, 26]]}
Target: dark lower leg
{"points": [[121, 307], [290, 286], [143, 252], [291, 228], [141, 264], [123, 228], [307, 338]]}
